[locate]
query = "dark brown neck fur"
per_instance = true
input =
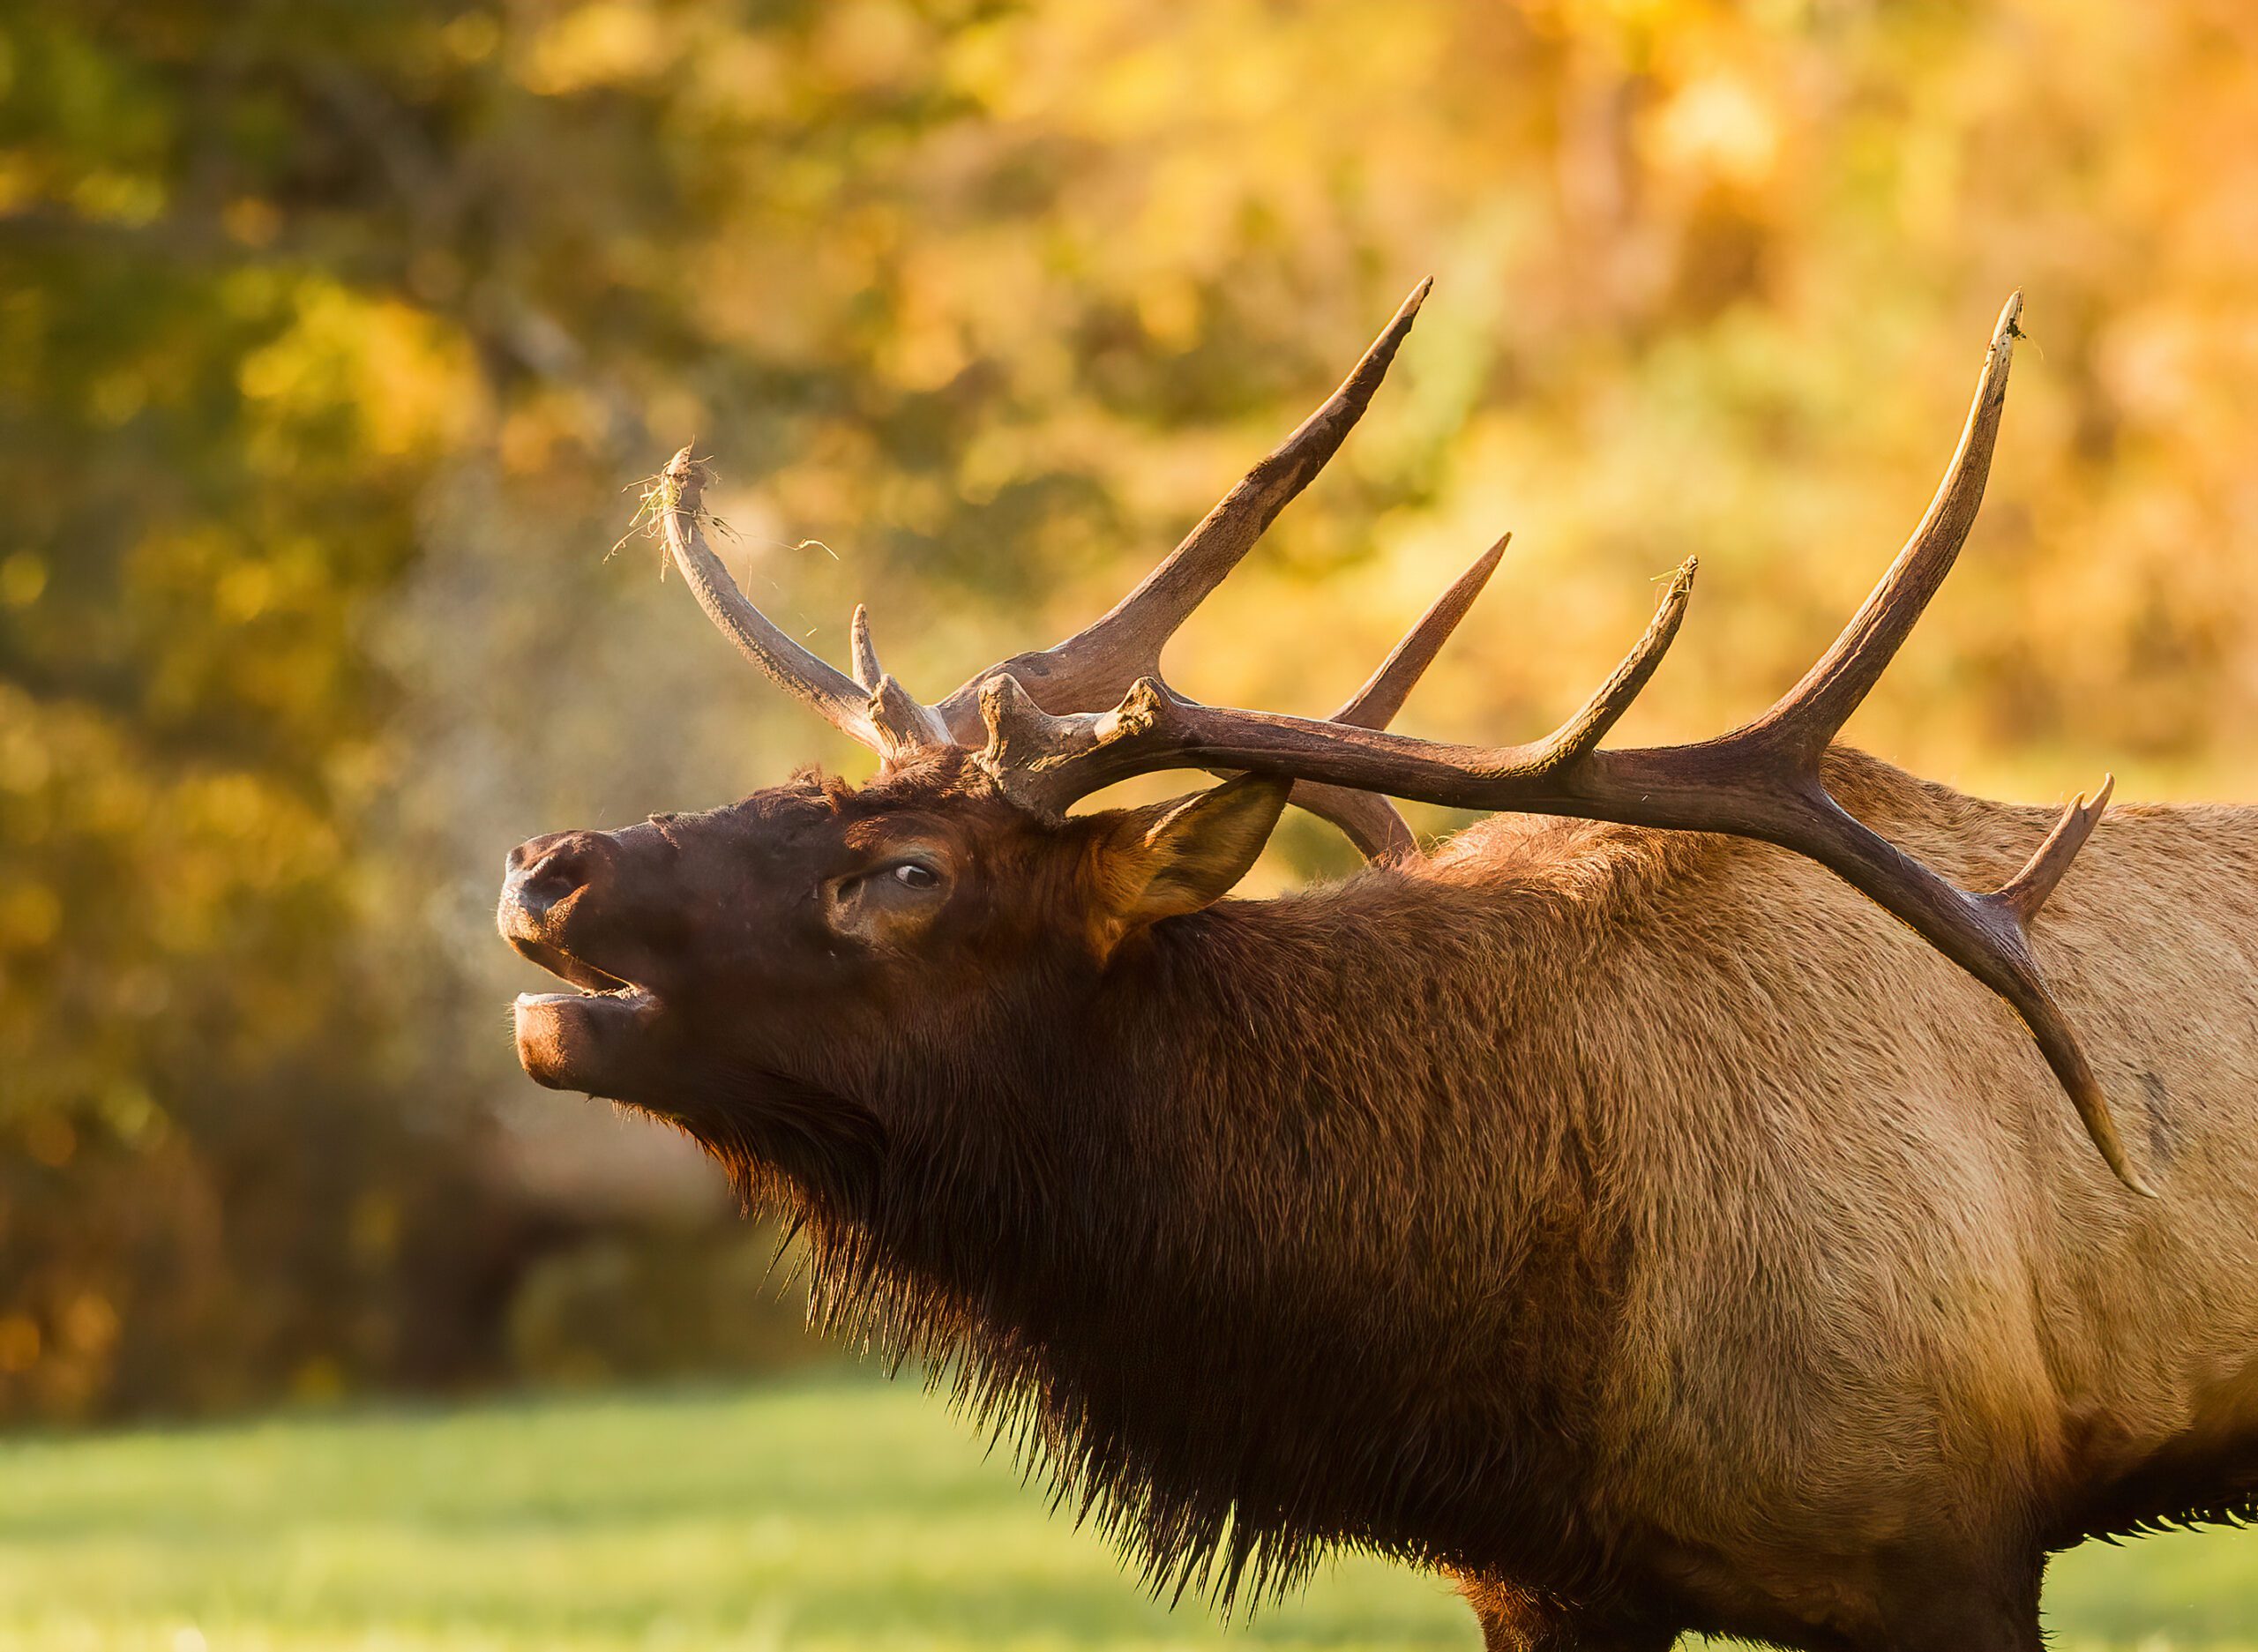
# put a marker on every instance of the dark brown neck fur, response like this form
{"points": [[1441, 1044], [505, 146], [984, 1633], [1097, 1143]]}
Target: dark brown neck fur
{"points": [[1233, 1244]]}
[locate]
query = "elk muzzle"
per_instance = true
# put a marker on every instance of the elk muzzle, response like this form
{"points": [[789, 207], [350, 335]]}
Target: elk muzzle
{"points": [[561, 895]]}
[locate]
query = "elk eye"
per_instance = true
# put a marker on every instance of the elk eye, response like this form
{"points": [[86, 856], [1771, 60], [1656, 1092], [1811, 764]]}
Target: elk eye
{"points": [[910, 875]]}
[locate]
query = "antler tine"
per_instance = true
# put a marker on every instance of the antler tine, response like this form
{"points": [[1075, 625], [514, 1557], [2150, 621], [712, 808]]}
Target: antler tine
{"points": [[1763, 781], [1372, 823], [903, 722], [1597, 716], [867, 669], [2027, 890], [879, 714], [1092, 668], [1812, 712], [790, 667], [1375, 705]]}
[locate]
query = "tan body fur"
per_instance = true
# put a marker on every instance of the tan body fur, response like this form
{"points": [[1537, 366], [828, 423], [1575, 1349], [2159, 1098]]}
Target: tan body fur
{"points": [[1881, 1308]]}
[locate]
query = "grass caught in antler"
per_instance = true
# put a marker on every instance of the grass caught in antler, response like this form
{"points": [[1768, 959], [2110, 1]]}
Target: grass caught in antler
{"points": [[658, 494], [655, 496]]}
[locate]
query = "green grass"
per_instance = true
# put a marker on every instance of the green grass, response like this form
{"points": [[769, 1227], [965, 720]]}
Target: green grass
{"points": [[848, 1515]]}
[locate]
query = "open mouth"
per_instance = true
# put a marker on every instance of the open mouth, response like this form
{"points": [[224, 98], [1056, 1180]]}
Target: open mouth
{"points": [[603, 1034], [591, 981], [591, 1038]]}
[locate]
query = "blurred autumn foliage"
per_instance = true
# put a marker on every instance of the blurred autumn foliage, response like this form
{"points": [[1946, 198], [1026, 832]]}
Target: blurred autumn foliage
{"points": [[332, 330]]}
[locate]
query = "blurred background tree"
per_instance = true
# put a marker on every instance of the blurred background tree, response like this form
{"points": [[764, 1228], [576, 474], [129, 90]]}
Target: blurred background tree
{"points": [[331, 332]]}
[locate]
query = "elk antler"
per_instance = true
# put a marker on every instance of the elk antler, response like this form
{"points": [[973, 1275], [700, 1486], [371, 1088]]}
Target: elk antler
{"points": [[1048, 741], [1091, 670], [1760, 780], [877, 712]]}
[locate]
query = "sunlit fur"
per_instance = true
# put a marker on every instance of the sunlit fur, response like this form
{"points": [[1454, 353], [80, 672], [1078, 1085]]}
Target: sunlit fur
{"points": [[1642, 1227]]}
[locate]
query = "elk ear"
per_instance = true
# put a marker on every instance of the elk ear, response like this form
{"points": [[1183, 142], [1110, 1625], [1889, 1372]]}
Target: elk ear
{"points": [[1173, 857]]}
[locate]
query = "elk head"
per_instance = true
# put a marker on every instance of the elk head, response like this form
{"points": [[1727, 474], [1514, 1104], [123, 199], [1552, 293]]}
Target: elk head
{"points": [[785, 944]]}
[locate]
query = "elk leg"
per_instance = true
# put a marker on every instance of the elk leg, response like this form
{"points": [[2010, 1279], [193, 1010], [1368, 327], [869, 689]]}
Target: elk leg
{"points": [[1516, 1621], [1942, 1607]]}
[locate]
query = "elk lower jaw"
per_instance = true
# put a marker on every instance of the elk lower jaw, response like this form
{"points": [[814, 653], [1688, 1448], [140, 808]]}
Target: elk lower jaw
{"points": [[580, 1040]]}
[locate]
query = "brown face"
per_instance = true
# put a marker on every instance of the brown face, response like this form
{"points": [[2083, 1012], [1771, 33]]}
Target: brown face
{"points": [[694, 941], [807, 935]]}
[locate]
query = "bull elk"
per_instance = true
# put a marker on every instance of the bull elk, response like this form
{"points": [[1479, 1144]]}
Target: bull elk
{"points": [[1612, 1209]]}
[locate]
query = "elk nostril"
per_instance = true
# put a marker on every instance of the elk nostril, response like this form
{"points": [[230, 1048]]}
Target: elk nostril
{"points": [[547, 880]]}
